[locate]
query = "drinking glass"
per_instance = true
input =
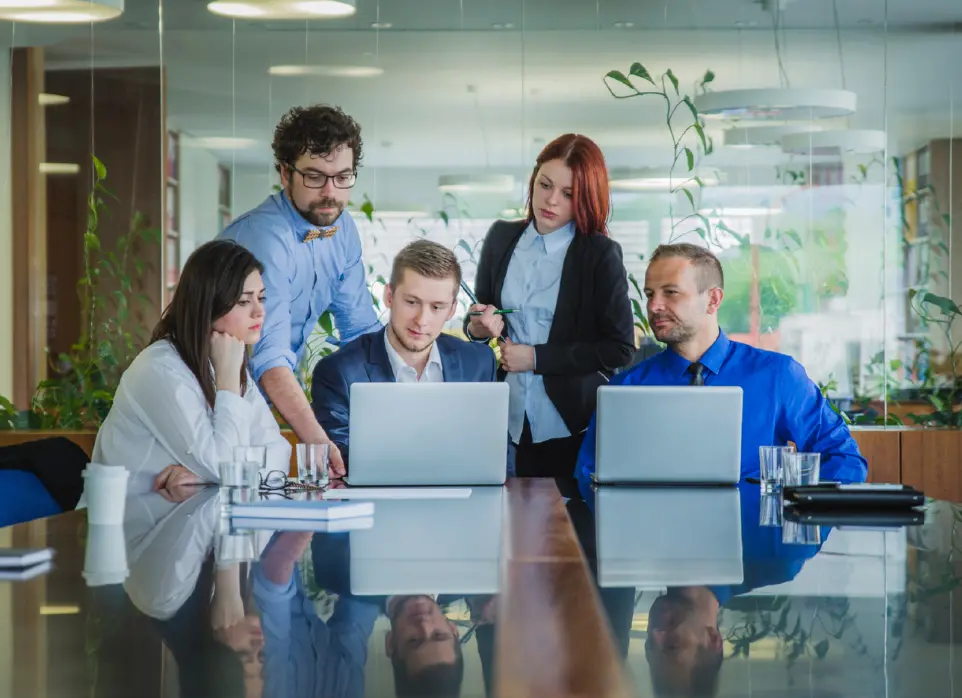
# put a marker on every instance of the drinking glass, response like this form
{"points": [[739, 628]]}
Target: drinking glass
{"points": [[802, 468], [312, 463], [771, 463]]}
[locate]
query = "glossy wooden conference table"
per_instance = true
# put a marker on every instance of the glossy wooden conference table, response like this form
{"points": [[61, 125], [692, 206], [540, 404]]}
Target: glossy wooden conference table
{"points": [[859, 612]]}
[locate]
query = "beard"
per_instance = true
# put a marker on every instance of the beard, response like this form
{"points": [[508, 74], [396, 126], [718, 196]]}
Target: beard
{"points": [[313, 213], [675, 333], [402, 338]]}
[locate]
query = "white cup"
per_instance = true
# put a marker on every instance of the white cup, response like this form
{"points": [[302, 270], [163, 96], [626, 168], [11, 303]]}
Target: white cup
{"points": [[105, 491], [105, 559]]}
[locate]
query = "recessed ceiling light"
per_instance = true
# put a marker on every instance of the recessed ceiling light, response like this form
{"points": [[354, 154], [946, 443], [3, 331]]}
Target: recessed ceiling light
{"points": [[381, 25], [283, 9], [327, 71], [502, 25], [742, 211], [654, 179], [222, 142], [623, 25], [60, 11], [46, 99], [59, 168], [476, 183]]}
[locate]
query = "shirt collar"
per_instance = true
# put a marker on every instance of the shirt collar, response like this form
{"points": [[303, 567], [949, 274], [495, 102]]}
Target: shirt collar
{"points": [[712, 359], [301, 225], [552, 242], [398, 364]]}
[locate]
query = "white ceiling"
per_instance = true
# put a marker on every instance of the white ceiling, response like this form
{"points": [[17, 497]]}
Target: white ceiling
{"points": [[537, 80]]}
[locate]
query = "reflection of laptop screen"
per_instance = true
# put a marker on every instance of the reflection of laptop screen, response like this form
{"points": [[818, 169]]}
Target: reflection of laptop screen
{"points": [[424, 546], [659, 537], [669, 434], [428, 434]]}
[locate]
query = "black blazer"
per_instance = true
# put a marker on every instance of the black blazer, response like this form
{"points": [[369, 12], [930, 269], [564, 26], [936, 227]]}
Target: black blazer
{"points": [[593, 332]]}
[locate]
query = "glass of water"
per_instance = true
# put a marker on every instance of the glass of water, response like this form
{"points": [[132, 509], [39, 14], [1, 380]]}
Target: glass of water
{"points": [[312, 463], [771, 463], [251, 454], [802, 468]]}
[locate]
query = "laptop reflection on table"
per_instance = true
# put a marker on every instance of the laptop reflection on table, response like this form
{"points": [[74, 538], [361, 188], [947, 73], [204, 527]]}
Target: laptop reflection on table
{"points": [[660, 537]]}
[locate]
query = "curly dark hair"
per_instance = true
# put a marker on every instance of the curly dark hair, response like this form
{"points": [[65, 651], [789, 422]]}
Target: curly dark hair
{"points": [[317, 129]]}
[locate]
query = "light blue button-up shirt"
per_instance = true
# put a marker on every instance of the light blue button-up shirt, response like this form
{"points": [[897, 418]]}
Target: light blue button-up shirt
{"points": [[531, 285], [302, 280]]}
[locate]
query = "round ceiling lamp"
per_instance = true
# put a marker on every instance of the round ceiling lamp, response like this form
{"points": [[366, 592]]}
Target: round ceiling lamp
{"points": [[476, 183], [762, 136], [780, 104], [283, 9], [835, 142], [60, 11], [327, 71], [655, 179]]}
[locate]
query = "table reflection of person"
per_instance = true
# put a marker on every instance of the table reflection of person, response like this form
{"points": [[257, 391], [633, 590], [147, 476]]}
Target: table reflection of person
{"points": [[199, 608], [684, 647], [424, 648]]}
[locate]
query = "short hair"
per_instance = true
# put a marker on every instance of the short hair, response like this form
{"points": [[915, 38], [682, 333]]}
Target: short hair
{"points": [[435, 681], [318, 130], [429, 259], [590, 199], [710, 274]]}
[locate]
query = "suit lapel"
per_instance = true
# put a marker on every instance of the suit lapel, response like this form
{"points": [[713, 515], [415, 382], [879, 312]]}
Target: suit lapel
{"points": [[378, 365], [502, 268], [450, 362], [570, 291]]}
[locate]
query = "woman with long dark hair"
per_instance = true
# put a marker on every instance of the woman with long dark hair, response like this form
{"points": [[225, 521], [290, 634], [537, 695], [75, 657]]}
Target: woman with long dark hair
{"points": [[188, 399], [571, 325]]}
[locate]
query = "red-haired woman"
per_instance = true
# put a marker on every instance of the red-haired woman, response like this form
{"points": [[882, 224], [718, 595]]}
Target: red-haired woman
{"points": [[571, 325]]}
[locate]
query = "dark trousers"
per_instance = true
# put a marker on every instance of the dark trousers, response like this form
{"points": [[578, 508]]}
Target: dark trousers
{"points": [[552, 458]]}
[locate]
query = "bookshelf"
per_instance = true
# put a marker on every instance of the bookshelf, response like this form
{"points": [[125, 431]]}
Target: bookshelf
{"points": [[172, 217]]}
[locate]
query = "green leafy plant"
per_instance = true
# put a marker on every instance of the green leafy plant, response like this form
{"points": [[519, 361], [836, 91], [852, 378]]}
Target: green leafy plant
{"points": [[688, 138], [81, 391], [942, 312]]}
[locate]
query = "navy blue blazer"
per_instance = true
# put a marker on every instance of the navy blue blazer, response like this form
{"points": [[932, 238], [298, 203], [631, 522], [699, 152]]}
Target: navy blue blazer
{"points": [[365, 360]]}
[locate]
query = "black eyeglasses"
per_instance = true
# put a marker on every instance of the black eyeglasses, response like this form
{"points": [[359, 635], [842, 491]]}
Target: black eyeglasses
{"points": [[317, 180], [277, 481]]}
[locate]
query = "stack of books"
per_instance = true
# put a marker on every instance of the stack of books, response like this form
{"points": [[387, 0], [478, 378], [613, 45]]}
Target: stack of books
{"points": [[18, 564], [300, 515]]}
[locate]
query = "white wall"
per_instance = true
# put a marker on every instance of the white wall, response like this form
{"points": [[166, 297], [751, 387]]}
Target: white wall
{"points": [[199, 182]]}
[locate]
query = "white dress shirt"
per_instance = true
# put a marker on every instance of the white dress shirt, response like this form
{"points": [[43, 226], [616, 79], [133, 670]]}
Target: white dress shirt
{"points": [[432, 373], [531, 286], [160, 417]]}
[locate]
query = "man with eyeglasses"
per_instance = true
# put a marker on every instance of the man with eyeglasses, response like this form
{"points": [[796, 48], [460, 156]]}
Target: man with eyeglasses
{"points": [[311, 252]]}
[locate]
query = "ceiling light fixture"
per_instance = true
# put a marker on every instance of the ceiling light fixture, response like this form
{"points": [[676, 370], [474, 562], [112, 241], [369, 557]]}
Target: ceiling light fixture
{"points": [[381, 25], [222, 142], [59, 168], [740, 211], [835, 142], [762, 136], [476, 183], [502, 25], [654, 179], [623, 25], [781, 104], [46, 99], [60, 11], [326, 71], [283, 9]]}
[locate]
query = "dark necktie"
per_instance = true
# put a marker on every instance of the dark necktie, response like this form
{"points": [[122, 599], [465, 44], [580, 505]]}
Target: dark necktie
{"points": [[696, 374]]}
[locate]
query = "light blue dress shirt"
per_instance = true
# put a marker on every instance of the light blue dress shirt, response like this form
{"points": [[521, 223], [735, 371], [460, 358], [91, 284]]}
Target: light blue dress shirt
{"points": [[531, 286], [302, 280]]}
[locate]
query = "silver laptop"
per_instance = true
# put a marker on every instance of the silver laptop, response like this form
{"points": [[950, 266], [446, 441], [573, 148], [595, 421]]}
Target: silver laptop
{"points": [[421, 546], [668, 435], [428, 434], [659, 537]]}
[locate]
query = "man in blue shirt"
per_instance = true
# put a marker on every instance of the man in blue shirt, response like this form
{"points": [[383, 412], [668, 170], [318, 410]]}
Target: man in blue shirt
{"points": [[311, 252], [684, 286]]}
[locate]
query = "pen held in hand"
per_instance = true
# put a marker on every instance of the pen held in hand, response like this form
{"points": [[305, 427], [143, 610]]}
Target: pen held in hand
{"points": [[506, 311]]}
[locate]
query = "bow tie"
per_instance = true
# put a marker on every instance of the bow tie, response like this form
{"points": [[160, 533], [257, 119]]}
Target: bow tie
{"points": [[318, 233]]}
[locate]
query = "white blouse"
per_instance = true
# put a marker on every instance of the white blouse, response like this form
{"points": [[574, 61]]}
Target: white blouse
{"points": [[160, 417]]}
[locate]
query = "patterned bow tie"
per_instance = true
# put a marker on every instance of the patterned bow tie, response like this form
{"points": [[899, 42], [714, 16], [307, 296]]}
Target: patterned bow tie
{"points": [[318, 233]]}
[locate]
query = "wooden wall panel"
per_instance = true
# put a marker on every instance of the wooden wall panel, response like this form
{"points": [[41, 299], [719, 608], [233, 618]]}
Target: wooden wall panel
{"points": [[882, 448], [932, 462], [28, 215]]}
